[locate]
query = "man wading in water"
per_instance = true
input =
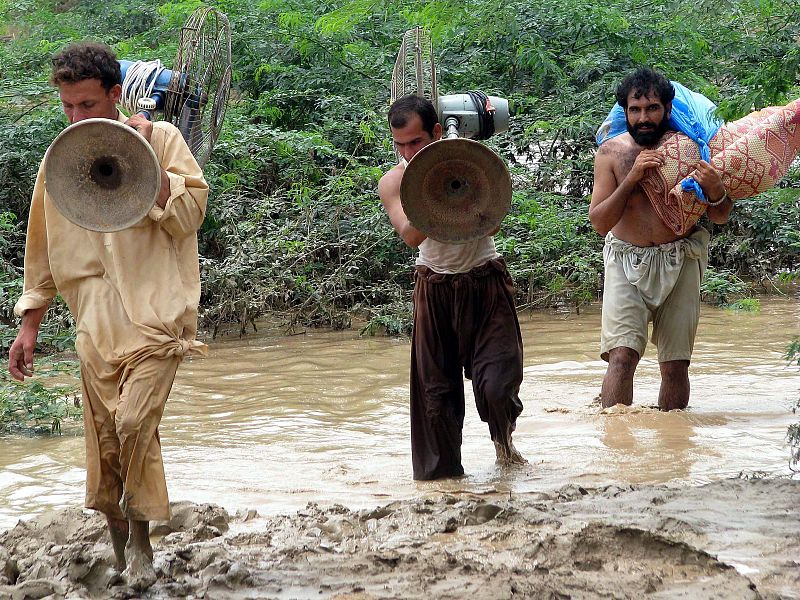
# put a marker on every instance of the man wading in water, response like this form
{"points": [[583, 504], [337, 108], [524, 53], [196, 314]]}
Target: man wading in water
{"points": [[134, 295], [651, 274], [464, 319]]}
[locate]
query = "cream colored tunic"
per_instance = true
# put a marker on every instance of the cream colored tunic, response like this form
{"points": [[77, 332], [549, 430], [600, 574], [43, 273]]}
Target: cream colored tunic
{"points": [[134, 293]]}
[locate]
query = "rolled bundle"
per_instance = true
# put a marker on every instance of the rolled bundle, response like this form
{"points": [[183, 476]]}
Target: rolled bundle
{"points": [[752, 154]]}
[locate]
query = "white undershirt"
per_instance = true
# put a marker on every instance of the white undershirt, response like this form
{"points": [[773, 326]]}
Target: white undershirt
{"points": [[456, 258]]}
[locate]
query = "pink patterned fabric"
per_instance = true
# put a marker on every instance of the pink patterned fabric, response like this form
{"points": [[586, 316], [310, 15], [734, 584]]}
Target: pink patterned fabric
{"points": [[752, 154]]}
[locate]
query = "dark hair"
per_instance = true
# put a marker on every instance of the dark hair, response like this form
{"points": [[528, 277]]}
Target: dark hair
{"points": [[86, 60], [642, 82], [403, 107]]}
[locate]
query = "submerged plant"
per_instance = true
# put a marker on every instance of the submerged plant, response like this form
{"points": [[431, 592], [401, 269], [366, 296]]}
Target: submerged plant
{"points": [[793, 434], [745, 305]]}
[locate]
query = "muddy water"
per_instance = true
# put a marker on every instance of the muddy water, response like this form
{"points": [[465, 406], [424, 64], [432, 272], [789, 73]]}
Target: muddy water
{"points": [[273, 422]]}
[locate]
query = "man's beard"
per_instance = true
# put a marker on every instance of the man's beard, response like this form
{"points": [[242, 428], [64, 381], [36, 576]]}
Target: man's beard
{"points": [[651, 137]]}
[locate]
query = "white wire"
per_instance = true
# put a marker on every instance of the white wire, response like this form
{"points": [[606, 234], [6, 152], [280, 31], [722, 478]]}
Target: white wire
{"points": [[136, 84]]}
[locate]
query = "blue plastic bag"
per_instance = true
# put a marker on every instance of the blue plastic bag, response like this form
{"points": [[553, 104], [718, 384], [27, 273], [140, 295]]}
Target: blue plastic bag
{"points": [[692, 114]]}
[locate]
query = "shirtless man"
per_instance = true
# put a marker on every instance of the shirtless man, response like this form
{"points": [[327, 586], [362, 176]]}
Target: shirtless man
{"points": [[651, 274], [465, 321]]}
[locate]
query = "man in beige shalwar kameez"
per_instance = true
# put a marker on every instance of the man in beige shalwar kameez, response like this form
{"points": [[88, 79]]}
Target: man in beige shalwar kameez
{"points": [[134, 295]]}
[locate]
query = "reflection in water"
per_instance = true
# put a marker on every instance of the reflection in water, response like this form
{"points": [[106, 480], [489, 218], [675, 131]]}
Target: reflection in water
{"points": [[272, 422], [648, 444]]}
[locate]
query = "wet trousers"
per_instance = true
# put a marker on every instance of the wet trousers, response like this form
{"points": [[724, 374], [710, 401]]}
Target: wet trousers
{"points": [[462, 322], [121, 411]]}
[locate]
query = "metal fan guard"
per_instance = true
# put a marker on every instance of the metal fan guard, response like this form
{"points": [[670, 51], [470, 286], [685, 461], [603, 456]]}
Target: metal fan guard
{"points": [[201, 75]]}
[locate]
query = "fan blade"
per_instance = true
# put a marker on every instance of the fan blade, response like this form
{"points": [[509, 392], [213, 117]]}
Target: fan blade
{"points": [[200, 86], [414, 69]]}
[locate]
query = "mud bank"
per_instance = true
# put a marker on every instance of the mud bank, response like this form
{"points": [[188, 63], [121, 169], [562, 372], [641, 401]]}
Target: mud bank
{"points": [[731, 539]]}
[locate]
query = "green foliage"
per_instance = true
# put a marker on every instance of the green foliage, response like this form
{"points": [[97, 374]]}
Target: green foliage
{"points": [[36, 407], [11, 240], [720, 287], [552, 254], [22, 146], [392, 319], [793, 435], [313, 242], [57, 333], [762, 239], [294, 223], [745, 305], [793, 352]]}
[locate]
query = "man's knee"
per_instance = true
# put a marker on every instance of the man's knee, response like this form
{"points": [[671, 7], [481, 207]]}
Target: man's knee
{"points": [[127, 424], [674, 369], [497, 399], [497, 392], [623, 360], [131, 420]]}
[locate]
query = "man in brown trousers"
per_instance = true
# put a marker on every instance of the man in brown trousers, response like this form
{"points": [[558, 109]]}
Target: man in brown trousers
{"points": [[464, 321]]}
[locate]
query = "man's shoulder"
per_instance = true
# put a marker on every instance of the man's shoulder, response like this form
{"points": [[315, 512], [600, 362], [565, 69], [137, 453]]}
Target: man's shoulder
{"points": [[390, 180], [168, 141], [169, 130], [620, 145], [396, 172], [623, 140]]}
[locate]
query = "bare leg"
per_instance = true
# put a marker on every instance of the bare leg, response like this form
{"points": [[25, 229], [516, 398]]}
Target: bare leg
{"points": [[140, 573], [674, 392], [119, 531], [618, 382]]}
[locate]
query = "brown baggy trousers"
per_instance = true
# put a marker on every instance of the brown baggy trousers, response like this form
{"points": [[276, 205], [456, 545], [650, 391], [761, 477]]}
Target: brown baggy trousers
{"points": [[121, 413], [464, 321]]}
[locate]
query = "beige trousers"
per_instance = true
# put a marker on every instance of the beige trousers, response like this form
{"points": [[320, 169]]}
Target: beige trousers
{"points": [[655, 283], [122, 410]]}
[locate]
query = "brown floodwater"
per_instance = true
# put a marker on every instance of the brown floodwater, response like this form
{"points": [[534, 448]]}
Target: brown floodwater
{"points": [[273, 422]]}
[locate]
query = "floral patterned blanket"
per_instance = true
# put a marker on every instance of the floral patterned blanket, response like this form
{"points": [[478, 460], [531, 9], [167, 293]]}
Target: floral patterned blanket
{"points": [[752, 154]]}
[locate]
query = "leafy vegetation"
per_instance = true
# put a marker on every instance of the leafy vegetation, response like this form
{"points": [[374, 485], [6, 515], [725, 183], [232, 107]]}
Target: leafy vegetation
{"points": [[38, 406], [793, 435], [722, 287], [294, 223]]}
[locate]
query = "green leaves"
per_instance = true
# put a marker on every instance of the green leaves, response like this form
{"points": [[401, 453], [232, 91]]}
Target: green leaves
{"points": [[342, 22], [39, 406], [294, 222]]}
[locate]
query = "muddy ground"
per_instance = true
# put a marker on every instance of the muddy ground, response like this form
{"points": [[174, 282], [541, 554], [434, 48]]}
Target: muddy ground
{"points": [[735, 539]]}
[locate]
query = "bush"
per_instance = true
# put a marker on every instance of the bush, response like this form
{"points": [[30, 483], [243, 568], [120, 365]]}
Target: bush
{"points": [[36, 407]]}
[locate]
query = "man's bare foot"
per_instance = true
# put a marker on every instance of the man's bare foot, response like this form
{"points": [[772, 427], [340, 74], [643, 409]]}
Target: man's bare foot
{"points": [[508, 455], [139, 574], [119, 531]]}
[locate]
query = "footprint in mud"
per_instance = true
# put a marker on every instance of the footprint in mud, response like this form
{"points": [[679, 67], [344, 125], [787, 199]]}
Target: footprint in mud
{"points": [[482, 514]]}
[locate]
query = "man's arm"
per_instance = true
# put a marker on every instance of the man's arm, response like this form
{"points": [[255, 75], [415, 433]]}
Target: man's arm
{"points": [[20, 355], [38, 288], [609, 199], [714, 189], [181, 205], [389, 192]]}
